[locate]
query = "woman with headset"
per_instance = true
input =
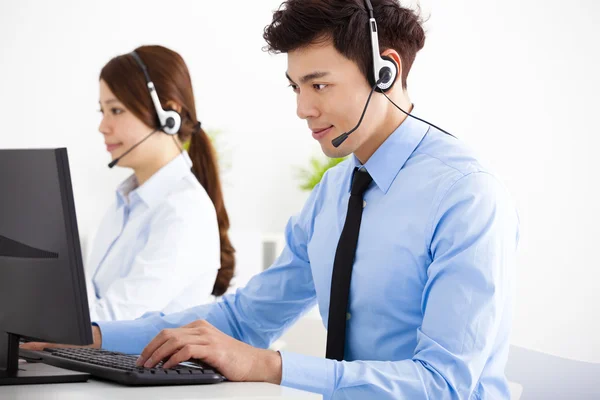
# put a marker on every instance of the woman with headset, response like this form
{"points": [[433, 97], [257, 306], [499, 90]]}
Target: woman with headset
{"points": [[163, 245]]}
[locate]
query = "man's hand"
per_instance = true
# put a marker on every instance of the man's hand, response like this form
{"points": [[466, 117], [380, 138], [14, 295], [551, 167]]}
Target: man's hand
{"points": [[236, 360], [36, 346]]}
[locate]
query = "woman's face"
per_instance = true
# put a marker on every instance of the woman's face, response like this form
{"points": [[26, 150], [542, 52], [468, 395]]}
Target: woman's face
{"points": [[123, 130]]}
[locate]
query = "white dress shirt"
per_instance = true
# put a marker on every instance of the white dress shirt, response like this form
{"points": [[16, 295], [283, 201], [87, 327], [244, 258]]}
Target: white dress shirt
{"points": [[156, 249]]}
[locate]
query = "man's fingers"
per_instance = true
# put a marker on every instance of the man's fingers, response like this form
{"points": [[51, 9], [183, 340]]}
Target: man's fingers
{"points": [[164, 351], [171, 347], [185, 353], [154, 344], [175, 345]]}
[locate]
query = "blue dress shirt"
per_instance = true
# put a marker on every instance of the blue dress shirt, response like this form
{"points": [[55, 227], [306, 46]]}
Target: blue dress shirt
{"points": [[432, 290]]}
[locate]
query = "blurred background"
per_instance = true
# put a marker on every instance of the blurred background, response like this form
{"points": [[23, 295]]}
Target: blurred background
{"points": [[516, 80]]}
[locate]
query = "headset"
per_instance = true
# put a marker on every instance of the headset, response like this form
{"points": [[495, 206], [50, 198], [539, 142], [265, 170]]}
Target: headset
{"points": [[170, 120], [385, 72]]}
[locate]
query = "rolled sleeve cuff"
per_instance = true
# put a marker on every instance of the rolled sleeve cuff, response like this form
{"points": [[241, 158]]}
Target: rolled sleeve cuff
{"points": [[313, 374]]}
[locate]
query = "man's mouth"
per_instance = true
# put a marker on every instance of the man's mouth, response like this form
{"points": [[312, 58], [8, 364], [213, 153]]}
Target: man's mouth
{"points": [[319, 133]]}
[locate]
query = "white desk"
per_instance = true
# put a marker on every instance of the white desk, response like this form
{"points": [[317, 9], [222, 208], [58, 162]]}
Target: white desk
{"points": [[100, 390]]}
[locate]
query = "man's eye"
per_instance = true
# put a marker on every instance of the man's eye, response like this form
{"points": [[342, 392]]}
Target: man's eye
{"points": [[319, 86]]}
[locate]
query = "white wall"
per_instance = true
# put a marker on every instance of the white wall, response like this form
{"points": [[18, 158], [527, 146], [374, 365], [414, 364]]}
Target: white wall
{"points": [[516, 79]]}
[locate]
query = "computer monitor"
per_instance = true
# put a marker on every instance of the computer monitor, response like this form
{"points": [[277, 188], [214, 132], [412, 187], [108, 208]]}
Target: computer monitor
{"points": [[42, 285]]}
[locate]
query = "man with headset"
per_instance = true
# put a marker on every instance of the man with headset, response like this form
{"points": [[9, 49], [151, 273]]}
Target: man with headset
{"points": [[408, 247]]}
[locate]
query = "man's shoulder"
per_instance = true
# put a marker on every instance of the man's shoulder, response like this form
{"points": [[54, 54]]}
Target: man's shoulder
{"points": [[448, 155], [443, 164]]}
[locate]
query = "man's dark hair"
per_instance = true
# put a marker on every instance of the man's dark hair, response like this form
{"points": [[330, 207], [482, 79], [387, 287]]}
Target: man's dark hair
{"points": [[298, 23]]}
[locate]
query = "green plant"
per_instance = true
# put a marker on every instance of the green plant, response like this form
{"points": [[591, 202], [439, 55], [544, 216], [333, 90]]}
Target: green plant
{"points": [[310, 177]]}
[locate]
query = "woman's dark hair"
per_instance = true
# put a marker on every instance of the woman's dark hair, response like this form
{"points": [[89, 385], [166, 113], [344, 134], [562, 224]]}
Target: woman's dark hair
{"points": [[173, 84], [298, 23]]}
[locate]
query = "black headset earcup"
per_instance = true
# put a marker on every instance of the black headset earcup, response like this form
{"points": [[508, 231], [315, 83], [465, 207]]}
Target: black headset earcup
{"points": [[394, 73], [385, 74], [170, 123]]}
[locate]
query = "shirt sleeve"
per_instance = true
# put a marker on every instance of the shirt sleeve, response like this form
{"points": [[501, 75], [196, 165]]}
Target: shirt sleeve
{"points": [[470, 284], [256, 314], [182, 248]]}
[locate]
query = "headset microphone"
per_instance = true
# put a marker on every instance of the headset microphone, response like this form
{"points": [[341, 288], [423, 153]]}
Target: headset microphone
{"points": [[169, 120], [116, 160], [340, 139]]}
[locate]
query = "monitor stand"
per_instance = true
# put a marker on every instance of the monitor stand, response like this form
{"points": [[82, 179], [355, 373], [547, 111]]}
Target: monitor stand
{"points": [[13, 372]]}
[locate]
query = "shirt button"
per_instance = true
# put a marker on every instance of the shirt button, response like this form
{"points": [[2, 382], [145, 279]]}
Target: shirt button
{"points": [[348, 316], [364, 203]]}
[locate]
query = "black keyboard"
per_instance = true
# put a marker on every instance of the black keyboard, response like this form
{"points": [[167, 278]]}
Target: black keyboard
{"points": [[121, 368]]}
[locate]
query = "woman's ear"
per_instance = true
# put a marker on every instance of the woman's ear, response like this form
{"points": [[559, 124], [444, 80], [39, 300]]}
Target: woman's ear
{"points": [[171, 105]]}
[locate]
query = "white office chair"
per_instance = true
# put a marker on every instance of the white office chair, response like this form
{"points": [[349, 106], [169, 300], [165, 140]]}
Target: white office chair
{"points": [[544, 376]]}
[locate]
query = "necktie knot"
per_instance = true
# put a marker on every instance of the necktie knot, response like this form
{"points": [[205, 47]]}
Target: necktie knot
{"points": [[360, 182]]}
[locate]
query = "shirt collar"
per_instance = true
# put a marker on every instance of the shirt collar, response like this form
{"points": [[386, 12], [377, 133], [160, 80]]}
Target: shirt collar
{"points": [[158, 186], [390, 157]]}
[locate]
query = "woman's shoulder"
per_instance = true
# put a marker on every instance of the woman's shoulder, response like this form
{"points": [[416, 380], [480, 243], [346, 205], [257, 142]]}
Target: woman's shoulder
{"points": [[187, 199]]}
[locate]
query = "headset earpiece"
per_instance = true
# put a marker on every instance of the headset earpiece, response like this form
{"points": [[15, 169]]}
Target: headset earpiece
{"points": [[170, 121], [385, 75], [388, 71]]}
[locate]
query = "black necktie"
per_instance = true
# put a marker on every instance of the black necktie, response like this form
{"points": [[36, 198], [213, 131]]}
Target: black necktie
{"points": [[342, 267]]}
